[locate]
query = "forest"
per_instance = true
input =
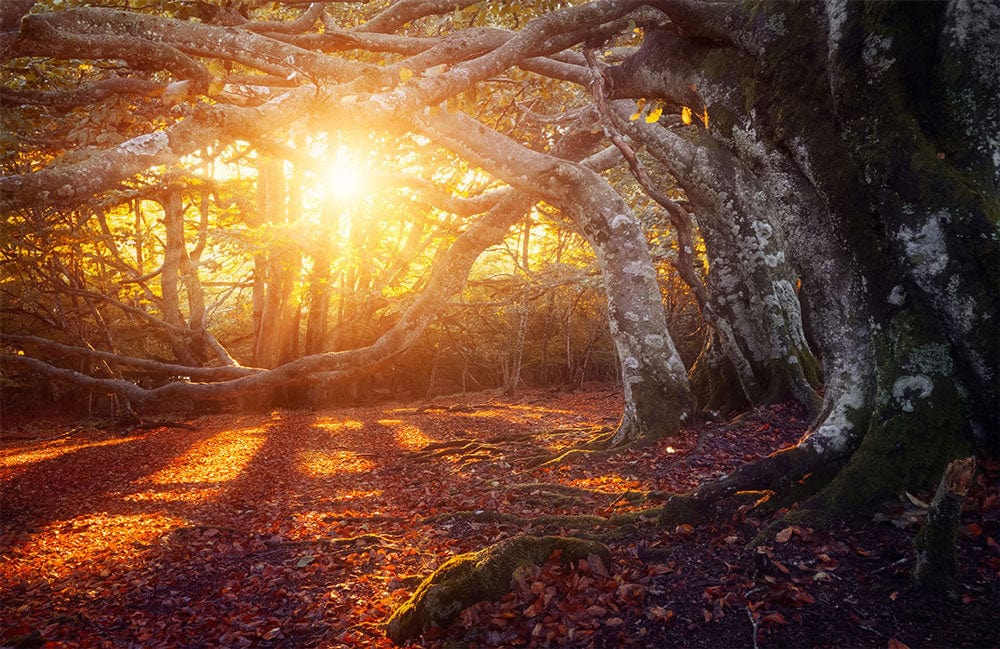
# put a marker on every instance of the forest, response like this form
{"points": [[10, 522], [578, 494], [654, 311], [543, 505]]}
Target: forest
{"points": [[455, 323]]}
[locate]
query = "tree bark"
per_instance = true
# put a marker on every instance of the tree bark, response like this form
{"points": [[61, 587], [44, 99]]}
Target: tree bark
{"points": [[657, 397], [846, 173]]}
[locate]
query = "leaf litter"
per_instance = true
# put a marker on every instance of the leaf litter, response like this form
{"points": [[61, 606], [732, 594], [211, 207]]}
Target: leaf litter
{"points": [[306, 529]]}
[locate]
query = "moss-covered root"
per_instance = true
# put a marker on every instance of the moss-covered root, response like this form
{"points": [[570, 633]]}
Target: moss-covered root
{"points": [[936, 567], [478, 576]]}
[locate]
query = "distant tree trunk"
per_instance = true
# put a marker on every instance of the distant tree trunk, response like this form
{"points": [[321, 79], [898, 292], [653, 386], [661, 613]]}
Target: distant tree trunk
{"points": [[276, 273], [512, 380], [867, 171], [654, 380], [320, 285], [174, 259]]}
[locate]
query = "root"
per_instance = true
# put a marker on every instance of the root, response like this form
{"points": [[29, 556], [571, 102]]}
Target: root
{"points": [[512, 438], [781, 472], [557, 521], [552, 492], [485, 575], [544, 461], [594, 447], [361, 540]]}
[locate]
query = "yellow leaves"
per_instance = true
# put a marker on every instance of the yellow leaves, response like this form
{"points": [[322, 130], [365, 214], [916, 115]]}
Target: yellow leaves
{"points": [[639, 105], [656, 110], [405, 74], [687, 116], [218, 71], [216, 67]]}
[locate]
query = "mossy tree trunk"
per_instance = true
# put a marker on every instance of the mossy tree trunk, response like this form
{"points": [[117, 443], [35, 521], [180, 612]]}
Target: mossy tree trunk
{"points": [[848, 169]]}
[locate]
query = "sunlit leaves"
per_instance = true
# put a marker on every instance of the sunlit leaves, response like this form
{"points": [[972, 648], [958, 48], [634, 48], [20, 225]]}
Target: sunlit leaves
{"points": [[655, 110], [639, 105]]}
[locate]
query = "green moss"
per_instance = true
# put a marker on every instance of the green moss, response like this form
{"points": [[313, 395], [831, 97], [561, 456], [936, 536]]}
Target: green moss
{"points": [[909, 440], [902, 452], [478, 576], [811, 367], [681, 508], [936, 568]]}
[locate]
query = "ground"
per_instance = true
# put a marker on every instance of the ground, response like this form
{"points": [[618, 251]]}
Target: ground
{"points": [[307, 529]]}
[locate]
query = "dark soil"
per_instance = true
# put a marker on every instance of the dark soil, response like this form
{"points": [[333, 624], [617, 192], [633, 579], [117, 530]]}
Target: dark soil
{"points": [[306, 529]]}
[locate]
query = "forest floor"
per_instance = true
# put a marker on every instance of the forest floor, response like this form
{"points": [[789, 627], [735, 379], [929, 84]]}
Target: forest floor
{"points": [[307, 529]]}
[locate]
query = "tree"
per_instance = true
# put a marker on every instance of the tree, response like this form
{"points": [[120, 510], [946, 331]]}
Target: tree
{"points": [[847, 203]]}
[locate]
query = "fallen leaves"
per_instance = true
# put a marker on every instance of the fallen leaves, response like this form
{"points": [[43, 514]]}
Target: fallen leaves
{"points": [[296, 529]]}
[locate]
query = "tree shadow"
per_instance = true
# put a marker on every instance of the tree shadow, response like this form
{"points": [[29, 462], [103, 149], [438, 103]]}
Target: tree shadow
{"points": [[281, 530]]}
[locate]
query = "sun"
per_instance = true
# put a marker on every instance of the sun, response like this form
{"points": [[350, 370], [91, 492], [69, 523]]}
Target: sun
{"points": [[344, 177]]}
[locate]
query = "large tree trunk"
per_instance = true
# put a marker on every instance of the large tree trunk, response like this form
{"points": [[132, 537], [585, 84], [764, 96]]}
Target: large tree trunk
{"points": [[657, 397], [849, 173]]}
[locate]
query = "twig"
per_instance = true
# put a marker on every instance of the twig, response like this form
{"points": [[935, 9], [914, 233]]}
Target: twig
{"points": [[755, 622], [891, 565]]}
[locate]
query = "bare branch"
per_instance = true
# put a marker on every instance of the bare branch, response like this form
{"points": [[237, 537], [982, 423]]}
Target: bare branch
{"points": [[73, 183], [166, 369], [86, 94]]}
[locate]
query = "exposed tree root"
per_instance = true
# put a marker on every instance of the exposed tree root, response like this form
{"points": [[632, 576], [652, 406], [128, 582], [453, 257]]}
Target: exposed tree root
{"points": [[361, 540], [778, 472], [561, 521], [469, 578], [437, 449], [566, 456], [512, 437], [554, 488]]}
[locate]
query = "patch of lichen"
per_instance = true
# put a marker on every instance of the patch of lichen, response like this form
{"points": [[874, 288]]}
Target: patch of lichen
{"points": [[478, 576], [910, 441]]}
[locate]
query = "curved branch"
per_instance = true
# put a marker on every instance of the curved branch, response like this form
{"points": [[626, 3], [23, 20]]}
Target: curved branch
{"points": [[72, 184], [211, 41], [40, 38], [404, 11], [88, 93], [303, 23], [167, 369]]}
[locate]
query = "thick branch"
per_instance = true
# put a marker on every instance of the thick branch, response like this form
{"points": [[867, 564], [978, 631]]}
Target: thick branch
{"points": [[74, 183], [166, 369]]}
